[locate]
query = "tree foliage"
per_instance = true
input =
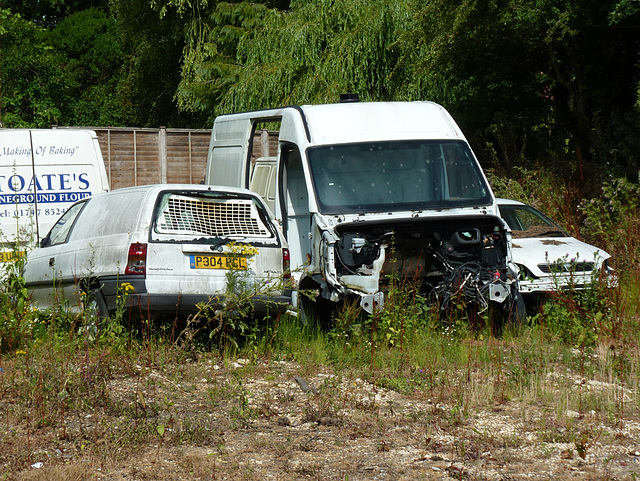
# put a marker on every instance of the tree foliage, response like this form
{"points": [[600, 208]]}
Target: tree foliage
{"points": [[551, 80], [545, 81], [152, 62], [30, 81], [49, 12], [94, 66]]}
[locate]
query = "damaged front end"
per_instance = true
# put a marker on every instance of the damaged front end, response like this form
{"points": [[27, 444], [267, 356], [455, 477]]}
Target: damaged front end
{"points": [[415, 210], [447, 258]]}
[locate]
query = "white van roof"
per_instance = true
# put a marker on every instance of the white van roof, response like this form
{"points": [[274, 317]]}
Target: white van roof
{"points": [[342, 123], [376, 121]]}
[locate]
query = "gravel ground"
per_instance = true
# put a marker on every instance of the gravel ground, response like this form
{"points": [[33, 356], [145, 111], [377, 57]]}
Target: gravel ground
{"points": [[280, 420]]}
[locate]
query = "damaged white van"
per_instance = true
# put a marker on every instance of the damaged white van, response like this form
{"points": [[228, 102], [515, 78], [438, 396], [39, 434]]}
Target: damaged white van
{"points": [[370, 191]]}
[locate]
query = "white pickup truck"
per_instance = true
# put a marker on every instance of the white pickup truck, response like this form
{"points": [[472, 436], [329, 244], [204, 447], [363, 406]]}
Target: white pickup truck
{"points": [[370, 191]]}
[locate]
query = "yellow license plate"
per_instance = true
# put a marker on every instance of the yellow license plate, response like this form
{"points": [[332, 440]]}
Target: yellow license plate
{"points": [[11, 255], [218, 262]]}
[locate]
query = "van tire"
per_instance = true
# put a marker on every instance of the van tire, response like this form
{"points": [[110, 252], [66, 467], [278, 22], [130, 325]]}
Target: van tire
{"points": [[518, 311], [307, 310], [512, 315], [316, 312]]}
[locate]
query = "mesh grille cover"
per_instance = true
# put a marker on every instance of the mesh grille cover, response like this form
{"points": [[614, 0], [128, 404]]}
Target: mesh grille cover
{"points": [[569, 267], [184, 215]]}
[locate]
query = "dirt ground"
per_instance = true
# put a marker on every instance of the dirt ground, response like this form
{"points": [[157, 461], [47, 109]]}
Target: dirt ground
{"points": [[279, 420]]}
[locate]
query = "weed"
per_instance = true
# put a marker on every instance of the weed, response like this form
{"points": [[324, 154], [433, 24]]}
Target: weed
{"points": [[19, 324], [611, 220]]}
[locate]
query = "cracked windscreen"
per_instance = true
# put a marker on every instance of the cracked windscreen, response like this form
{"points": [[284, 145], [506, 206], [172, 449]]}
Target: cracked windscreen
{"points": [[396, 175]]}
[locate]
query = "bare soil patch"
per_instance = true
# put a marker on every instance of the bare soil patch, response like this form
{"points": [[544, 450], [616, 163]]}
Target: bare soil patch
{"points": [[280, 420]]}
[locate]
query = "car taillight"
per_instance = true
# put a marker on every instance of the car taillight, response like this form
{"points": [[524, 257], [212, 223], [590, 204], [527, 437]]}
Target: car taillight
{"points": [[137, 259], [286, 263]]}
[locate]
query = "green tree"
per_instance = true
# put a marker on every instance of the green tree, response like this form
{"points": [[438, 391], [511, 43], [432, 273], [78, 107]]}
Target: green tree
{"points": [[31, 77], [546, 78], [49, 12], [252, 55], [318, 50], [152, 52], [67, 75], [212, 31], [92, 50], [93, 67], [550, 80]]}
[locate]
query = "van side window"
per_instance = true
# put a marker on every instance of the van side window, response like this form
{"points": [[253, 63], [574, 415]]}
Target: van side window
{"points": [[60, 230]]}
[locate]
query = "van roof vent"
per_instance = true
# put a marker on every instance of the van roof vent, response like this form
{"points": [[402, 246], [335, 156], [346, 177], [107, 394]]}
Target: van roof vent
{"points": [[185, 215], [349, 98]]}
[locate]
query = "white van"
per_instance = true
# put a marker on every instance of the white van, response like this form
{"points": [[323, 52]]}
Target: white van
{"points": [[168, 247], [42, 173], [367, 192]]}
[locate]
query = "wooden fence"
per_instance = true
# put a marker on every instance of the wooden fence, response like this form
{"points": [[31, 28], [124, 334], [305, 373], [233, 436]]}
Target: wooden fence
{"points": [[140, 156]]}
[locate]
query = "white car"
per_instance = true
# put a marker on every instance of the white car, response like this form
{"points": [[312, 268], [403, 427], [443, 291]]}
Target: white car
{"points": [[549, 259], [167, 247]]}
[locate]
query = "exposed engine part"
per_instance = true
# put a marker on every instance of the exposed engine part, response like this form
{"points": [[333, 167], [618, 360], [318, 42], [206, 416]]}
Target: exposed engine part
{"points": [[355, 250], [471, 282], [464, 257]]}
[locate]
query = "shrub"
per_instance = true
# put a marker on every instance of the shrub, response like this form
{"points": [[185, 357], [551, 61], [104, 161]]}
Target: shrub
{"points": [[611, 220]]}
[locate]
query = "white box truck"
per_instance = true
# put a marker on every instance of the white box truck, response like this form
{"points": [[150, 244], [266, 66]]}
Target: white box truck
{"points": [[42, 173], [367, 192]]}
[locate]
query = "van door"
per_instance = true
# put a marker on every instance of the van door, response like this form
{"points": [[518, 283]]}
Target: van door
{"points": [[50, 272], [294, 205], [263, 180]]}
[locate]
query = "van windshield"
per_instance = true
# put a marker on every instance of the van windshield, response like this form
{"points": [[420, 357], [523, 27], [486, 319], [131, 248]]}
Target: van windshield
{"points": [[396, 175]]}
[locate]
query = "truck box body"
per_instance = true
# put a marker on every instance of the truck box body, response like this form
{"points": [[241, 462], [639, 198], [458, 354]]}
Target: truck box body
{"points": [[42, 173], [366, 192]]}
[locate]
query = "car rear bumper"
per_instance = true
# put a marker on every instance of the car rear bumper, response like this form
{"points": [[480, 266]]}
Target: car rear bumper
{"points": [[185, 304]]}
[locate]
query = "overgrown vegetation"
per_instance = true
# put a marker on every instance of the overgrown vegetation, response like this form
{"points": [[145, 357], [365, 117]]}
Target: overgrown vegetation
{"points": [[547, 93], [99, 394]]}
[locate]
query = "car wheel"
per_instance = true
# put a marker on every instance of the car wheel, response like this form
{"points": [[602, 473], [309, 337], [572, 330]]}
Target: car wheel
{"points": [[95, 309], [512, 314]]}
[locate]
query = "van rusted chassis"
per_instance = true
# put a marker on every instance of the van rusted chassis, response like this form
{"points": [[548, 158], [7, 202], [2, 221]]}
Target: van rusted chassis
{"points": [[446, 258]]}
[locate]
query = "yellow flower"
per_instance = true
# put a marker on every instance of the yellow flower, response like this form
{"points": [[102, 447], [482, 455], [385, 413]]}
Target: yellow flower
{"points": [[244, 250], [127, 287], [20, 351]]}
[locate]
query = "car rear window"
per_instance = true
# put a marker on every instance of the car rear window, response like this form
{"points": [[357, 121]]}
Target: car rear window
{"points": [[110, 214], [185, 216]]}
